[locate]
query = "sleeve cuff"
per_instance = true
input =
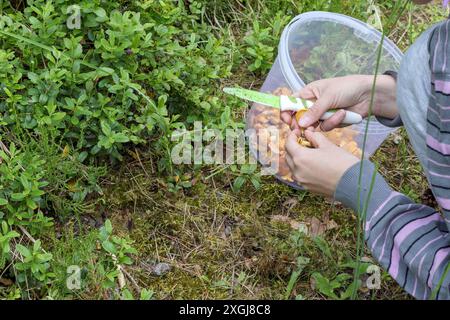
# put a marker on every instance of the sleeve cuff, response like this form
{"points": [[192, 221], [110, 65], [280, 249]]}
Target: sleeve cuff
{"points": [[391, 73], [392, 123], [397, 121], [347, 189]]}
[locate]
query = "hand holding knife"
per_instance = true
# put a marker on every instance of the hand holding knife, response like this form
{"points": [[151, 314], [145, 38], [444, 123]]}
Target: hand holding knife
{"points": [[286, 103]]}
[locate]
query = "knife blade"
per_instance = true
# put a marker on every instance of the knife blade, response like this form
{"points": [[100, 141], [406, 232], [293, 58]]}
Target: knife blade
{"points": [[286, 103]]}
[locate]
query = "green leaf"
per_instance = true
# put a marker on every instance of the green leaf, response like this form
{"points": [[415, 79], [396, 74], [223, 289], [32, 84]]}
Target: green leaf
{"points": [[24, 251], [13, 234], [37, 246], [126, 295], [25, 183], [5, 227], [126, 260], [354, 286], [324, 286], [82, 156], [121, 138], [251, 51], [106, 129], [58, 116], [31, 204], [256, 182], [109, 247], [17, 196], [146, 294], [291, 284], [323, 246], [108, 226], [238, 183], [33, 77], [101, 13]]}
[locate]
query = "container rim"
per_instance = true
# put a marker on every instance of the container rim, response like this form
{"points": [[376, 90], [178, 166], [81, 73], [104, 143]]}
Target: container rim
{"points": [[287, 68]]}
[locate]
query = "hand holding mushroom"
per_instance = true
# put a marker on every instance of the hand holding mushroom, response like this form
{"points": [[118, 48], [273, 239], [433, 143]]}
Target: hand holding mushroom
{"points": [[319, 169]]}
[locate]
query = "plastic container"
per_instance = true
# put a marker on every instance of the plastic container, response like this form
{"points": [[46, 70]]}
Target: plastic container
{"points": [[320, 45]]}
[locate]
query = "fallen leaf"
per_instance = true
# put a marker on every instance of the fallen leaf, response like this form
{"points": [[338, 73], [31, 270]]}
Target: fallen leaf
{"points": [[197, 269], [312, 283], [133, 154], [248, 263], [66, 151], [312, 226], [227, 227], [316, 227], [290, 203], [285, 219], [226, 232], [367, 259], [331, 224], [6, 282], [72, 186], [280, 218]]}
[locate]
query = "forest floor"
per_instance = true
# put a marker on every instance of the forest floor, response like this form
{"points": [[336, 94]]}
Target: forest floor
{"points": [[220, 244]]}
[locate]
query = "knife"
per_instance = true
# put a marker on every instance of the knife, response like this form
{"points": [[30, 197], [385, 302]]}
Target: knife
{"points": [[286, 103]]}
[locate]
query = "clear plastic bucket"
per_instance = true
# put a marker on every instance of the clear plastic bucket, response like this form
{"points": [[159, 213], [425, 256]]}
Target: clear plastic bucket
{"points": [[320, 45]]}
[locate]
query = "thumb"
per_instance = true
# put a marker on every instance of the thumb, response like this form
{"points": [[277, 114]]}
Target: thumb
{"points": [[317, 139], [315, 112], [292, 145]]}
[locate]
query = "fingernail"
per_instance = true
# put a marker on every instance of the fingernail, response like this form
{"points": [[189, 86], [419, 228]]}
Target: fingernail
{"points": [[304, 121]]}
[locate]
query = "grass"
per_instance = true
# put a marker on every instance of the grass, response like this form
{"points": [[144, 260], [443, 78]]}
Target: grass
{"points": [[223, 244]]}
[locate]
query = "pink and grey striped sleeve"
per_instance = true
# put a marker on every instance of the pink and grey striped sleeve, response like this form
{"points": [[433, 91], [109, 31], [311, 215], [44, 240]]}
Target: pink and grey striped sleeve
{"points": [[410, 240]]}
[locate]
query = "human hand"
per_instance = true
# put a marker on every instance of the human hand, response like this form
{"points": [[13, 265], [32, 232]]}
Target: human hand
{"points": [[351, 93], [320, 169]]}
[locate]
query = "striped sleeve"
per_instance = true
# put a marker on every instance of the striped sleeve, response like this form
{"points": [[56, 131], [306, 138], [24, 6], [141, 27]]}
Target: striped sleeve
{"points": [[410, 240], [438, 118], [438, 124]]}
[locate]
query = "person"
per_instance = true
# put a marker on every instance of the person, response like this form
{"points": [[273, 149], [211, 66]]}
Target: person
{"points": [[410, 240]]}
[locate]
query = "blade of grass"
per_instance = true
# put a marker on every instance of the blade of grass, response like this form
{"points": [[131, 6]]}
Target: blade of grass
{"points": [[398, 10], [360, 241], [441, 281]]}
